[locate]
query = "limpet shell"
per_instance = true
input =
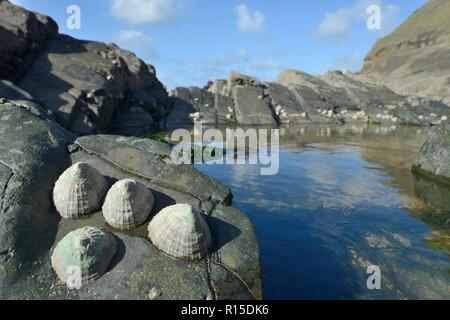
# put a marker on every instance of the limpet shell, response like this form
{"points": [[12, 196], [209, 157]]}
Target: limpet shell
{"points": [[88, 251], [181, 232], [79, 191], [128, 204]]}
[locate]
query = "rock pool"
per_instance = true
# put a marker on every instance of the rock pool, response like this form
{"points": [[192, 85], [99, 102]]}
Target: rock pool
{"points": [[345, 198]]}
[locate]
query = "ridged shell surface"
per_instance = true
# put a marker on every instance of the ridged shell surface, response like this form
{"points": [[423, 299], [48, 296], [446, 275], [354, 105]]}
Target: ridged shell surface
{"points": [[79, 191], [128, 204], [181, 232], [84, 253]]}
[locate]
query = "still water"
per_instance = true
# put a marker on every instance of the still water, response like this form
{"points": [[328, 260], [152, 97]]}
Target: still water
{"points": [[344, 198]]}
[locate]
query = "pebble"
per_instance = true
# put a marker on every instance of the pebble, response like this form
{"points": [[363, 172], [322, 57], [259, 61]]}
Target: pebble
{"points": [[153, 294]]}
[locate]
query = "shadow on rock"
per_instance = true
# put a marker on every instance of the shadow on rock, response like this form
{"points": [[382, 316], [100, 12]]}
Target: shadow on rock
{"points": [[223, 232], [120, 253]]}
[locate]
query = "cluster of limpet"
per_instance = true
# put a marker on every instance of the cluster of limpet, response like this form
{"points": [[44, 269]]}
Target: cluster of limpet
{"points": [[178, 230], [181, 232], [85, 252], [79, 191], [128, 204]]}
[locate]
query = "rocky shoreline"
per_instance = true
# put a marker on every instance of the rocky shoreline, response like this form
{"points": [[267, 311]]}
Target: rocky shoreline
{"points": [[297, 98], [64, 100]]}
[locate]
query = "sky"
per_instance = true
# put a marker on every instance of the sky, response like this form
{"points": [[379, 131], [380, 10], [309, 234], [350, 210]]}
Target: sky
{"points": [[193, 41]]}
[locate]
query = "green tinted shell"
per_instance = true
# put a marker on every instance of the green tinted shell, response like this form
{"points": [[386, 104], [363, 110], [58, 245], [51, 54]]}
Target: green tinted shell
{"points": [[89, 250]]}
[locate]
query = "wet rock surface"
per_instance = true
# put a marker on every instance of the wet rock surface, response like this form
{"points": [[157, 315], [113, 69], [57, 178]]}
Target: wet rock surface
{"points": [[31, 162]]}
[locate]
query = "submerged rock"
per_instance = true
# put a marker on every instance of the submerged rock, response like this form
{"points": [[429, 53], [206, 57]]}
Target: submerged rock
{"points": [[128, 204], [83, 255], [181, 232], [79, 191]]}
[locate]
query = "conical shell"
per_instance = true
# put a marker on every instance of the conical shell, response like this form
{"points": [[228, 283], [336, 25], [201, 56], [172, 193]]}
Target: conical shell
{"points": [[79, 191], [181, 232], [83, 255], [128, 204]]}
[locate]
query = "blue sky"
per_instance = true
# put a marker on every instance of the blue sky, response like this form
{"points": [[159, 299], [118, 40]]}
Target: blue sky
{"points": [[192, 41]]}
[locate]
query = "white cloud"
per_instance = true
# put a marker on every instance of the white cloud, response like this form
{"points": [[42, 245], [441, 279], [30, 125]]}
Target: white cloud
{"points": [[249, 21], [147, 11], [337, 26], [226, 59], [266, 64], [348, 62], [137, 42], [133, 36], [263, 67]]}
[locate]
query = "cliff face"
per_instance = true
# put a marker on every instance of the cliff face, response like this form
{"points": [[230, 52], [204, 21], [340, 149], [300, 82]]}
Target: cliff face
{"points": [[415, 58]]}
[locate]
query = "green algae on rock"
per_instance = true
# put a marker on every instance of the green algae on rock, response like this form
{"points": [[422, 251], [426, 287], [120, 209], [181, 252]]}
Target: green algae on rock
{"points": [[128, 204], [84, 253], [181, 232], [79, 191]]}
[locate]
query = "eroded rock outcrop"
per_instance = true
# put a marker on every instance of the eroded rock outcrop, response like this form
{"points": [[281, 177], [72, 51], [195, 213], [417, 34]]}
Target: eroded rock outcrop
{"points": [[299, 98], [89, 87], [35, 150]]}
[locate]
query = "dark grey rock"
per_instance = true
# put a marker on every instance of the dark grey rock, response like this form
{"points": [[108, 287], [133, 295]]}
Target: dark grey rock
{"points": [[133, 121], [23, 34], [250, 106], [33, 154], [434, 157], [236, 244], [287, 107], [83, 83], [237, 79], [198, 104]]}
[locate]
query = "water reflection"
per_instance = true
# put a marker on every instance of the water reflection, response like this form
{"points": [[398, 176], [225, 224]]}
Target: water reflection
{"points": [[344, 199]]}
